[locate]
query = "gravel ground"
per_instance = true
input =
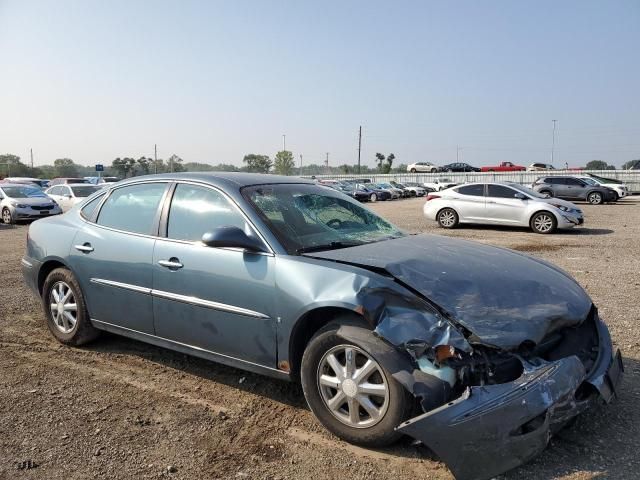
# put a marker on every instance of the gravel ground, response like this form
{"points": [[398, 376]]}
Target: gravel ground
{"points": [[123, 409]]}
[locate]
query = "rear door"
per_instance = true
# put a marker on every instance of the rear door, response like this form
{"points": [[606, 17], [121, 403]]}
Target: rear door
{"points": [[470, 202], [502, 206], [112, 256]]}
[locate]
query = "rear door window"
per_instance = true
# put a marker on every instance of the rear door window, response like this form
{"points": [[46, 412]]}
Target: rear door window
{"points": [[133, 208], [473, 190]]}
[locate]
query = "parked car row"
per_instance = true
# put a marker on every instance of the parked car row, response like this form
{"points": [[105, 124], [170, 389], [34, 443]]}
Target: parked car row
{"points": [[428, 167], [363, 190]]}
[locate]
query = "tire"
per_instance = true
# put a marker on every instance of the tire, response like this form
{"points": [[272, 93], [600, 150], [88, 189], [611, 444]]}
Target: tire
{"points": [[546, 192], [543, 222], [449, 170], [413, 170], [75, 328], [373, 197], [393, 406], [448, 218], [7, 218], [595, 198], [434, 170]]}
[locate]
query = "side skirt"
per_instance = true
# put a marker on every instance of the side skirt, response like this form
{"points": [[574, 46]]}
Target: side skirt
{"points": [[191, 350]]}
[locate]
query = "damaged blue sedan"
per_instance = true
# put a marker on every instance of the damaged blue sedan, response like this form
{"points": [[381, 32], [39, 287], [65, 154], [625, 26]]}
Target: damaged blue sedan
{"points": [[480, 353]]}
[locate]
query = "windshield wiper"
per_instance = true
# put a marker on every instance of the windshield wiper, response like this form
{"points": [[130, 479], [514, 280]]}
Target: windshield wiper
{"points": [[327, 246]]}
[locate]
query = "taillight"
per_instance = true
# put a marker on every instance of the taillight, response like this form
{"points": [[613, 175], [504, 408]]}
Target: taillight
{"points": [[432, 197]]}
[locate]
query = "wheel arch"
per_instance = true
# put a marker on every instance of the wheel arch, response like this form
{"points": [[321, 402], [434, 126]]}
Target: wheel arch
{"points": [[306, 327], [49, 265]]}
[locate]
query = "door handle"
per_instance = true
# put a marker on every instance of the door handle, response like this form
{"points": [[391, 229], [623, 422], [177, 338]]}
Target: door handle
{"points": [[173, 263], [84, 248]]}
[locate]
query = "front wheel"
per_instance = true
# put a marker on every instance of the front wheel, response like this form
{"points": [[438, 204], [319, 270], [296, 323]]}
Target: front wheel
{"points": [[352, 394], [543, 222], [413, 170], [6, 216], [373, 197], [594, 198], [448, 218], [65, 309]]}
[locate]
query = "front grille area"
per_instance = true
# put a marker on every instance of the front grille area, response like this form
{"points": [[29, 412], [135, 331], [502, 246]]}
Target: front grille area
{"points": [[38, 207]]}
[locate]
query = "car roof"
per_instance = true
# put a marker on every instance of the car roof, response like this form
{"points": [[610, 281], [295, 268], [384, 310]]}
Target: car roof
{"points": [[3, 185], [230, 179]]}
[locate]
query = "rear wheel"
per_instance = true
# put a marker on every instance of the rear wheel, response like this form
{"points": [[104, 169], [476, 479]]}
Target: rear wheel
{"points": [[543, 222], [413, 170], [65, 309], [6, 216], [546, 192], [448, 218], [350, 392], [373, 197], [594, 198]]}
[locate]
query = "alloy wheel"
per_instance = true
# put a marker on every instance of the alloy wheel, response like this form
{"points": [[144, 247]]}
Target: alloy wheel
{"points": [[447, 218], [64, 309], [543, 223], [595, 198], [6, 216], [373, 197], [353, 386]]}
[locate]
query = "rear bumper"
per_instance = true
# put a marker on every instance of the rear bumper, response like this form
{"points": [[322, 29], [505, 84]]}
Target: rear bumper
{"points": [[494, 428]]}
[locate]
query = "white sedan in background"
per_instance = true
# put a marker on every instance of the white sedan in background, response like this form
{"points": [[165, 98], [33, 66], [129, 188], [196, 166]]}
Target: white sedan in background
{"points": [[438, 184], [501, 204], [66, 196]]}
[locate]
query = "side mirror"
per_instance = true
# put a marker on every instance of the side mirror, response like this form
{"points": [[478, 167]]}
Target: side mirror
{"points": [[231, 237], [521, 196]]}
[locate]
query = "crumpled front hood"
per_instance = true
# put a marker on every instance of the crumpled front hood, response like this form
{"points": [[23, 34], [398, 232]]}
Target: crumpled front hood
{"points": [[503, 297]]}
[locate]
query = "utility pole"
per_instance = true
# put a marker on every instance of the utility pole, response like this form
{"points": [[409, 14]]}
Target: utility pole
{"points": [[326, 163], [300, 164], [458, 153], [284, 142], [155, 158], [31, 152], [553, 140], [359, 147]]}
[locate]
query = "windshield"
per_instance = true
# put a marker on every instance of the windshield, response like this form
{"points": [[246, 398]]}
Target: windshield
{"points": [[84, 191], [308, 217], [527, 190], [23, 192]]}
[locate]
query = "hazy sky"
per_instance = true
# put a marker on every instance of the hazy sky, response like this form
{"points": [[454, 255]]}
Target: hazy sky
{"points": [[212, 81]]}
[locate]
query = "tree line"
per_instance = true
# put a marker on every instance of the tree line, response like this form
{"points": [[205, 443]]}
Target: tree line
{"points": [[283, 163]]}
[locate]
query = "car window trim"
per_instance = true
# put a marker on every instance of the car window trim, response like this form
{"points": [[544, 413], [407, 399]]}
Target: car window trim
{"points": [[164, 219]]}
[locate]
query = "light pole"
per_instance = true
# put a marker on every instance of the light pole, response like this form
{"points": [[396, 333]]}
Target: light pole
{"points": [[553, 140], [458, 153], [284, 142]]}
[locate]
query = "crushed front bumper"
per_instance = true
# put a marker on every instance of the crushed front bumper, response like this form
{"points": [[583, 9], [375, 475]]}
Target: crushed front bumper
{"points": [[494, 428]]}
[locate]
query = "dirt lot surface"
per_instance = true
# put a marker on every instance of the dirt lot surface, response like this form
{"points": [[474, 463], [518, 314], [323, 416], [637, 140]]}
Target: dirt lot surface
{"points": [[123, 409]]}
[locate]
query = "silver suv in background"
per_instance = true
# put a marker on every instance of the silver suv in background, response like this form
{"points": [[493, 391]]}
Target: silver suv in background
{"points": [[501, 204], [572, 188]]}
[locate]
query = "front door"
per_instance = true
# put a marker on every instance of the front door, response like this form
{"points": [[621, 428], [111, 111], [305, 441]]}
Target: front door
{"points": [[502, 205], [217, 299], [575, 188], [112, 258]]}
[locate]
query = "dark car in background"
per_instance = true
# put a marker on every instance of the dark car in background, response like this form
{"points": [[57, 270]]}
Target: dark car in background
{"points": [[572, 188], [459, 167], [374, 192]]}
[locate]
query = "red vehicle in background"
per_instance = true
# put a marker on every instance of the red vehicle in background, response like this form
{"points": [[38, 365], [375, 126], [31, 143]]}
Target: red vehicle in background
{"points": [[504, 167]]}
